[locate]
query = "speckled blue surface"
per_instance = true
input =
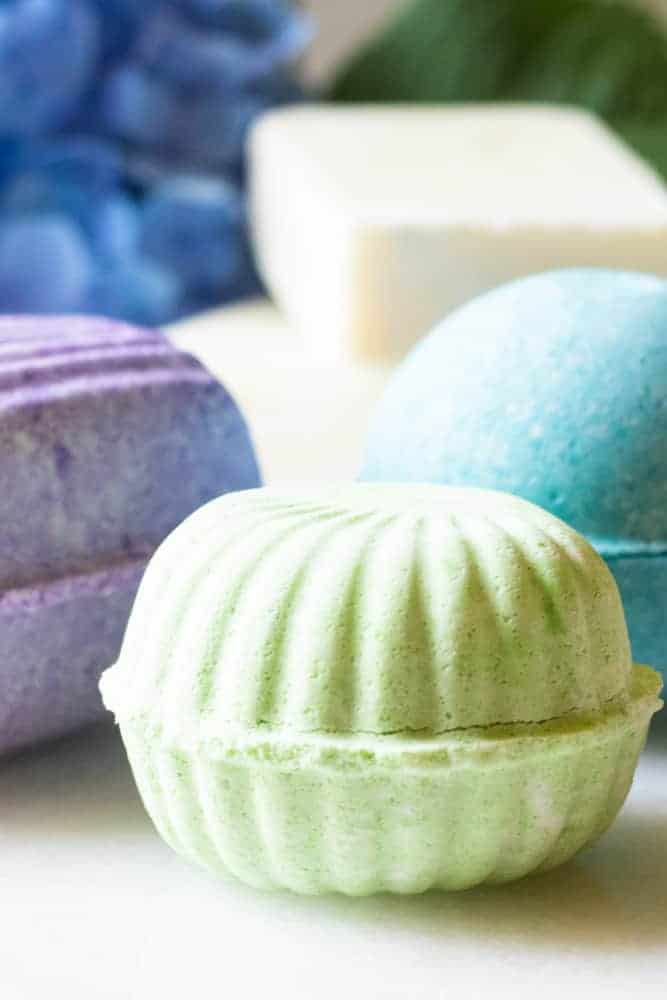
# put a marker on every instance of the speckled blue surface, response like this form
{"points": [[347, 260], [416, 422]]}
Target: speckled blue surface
{"points": [[553, 387]]}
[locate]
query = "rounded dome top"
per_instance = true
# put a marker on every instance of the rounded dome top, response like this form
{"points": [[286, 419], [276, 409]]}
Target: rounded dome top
{"points": [[554, 388], [370, 609]]}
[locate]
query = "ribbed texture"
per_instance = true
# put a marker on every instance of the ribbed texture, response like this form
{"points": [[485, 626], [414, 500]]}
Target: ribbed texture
{"points": [[69, 330], [38, 371], [42, 360], [372, 829], [373, 609], [27, 339], [109, 437]]}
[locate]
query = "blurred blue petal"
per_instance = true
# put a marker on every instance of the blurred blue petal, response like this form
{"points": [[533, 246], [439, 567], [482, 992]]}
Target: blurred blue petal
{"points": [[31, 192], [113, 229], [80, 161], [193, 226], [192, 57], [210, 133], [12, 158], [120, 20], [67, 177], [245, 285], [137, 107], [246, 42], [44, 266], [138, 290], [274, 32], [48, 54], [144, 168], [255, 22]]}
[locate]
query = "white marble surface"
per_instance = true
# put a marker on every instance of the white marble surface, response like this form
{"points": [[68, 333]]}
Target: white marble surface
{"points": [[94, 907]]}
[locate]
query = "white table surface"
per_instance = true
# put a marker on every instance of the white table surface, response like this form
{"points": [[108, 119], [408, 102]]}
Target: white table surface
{"points": [[93, 905]]}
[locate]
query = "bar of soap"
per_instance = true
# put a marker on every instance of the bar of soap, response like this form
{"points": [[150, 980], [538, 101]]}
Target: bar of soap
{"points": [[371, 223], [109, 437], [379, 687], [553, 387]]}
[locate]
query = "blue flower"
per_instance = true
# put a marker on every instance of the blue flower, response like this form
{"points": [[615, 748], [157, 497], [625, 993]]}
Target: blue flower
{"points": [[194, 227], [122, 134], [48, 55], [45, 265]]}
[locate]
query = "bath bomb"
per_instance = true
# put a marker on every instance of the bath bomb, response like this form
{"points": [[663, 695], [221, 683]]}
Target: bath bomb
{"points": [[109, 437], [366, 687], [554, 388], [372, 222]]}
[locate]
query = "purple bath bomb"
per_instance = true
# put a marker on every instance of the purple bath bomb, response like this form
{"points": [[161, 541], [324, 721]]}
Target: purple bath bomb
{"points": [[109, 437]]}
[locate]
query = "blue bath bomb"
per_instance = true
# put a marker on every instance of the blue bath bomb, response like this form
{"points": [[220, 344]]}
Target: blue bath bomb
{"points": [[553, 387]]}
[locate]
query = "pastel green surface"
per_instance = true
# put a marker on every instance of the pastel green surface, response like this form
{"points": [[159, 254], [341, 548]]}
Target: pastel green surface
{"points": [[379, 687]]}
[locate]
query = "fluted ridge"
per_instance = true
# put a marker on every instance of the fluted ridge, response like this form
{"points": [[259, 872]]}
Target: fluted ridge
{"points": [[378, 609]]}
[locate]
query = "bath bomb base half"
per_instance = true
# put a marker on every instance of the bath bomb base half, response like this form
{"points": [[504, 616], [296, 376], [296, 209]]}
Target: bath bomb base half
{"points": [[321, 814], [49, 683]]}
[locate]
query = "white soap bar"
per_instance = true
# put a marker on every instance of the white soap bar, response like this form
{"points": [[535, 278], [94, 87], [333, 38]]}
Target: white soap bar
{"points": [[371, 223]]}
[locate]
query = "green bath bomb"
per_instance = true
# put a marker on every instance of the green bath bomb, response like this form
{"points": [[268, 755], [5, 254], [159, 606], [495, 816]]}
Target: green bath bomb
{"points": [[379, 688]]}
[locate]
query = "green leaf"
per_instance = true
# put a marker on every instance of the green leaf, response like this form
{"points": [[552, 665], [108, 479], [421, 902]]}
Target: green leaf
{"points": [[606, 57], [446, 50], [649, 139], [609, 59]]}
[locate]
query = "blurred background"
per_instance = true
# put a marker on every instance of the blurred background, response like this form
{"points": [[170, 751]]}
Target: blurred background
{"points": [[123, 127], [122, 124]]}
